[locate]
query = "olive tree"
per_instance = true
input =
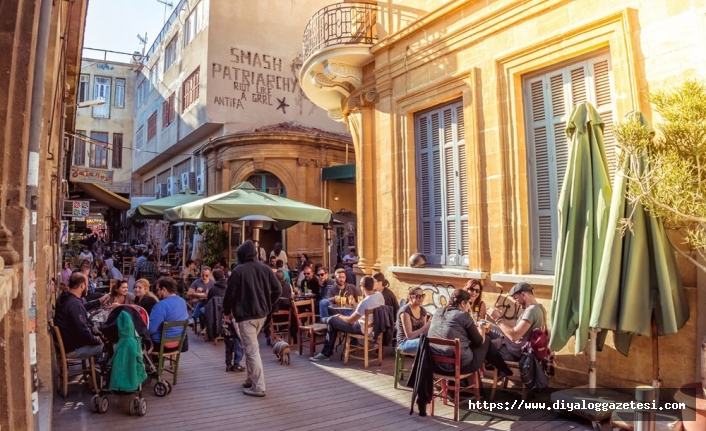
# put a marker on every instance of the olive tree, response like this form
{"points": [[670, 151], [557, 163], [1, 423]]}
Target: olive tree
{"points": [[668, 169]]}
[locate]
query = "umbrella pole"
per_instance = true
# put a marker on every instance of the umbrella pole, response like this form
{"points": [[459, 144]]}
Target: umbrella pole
{"points": [[592, 361], [183, 246], [656, 379]]}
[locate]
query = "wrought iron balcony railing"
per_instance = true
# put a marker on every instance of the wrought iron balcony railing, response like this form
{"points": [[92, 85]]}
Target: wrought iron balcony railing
{"points": [[341, 24]]}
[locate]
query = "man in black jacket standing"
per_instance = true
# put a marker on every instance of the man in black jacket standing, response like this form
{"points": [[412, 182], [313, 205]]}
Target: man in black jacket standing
{"points": [[252, 291], [70, 318]]}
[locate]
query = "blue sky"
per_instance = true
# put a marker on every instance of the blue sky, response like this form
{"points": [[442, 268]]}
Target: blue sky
{"points": [[115, 24]]}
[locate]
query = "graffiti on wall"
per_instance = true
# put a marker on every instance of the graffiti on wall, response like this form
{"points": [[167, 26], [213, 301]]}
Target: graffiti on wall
{"points": [[439, 295]]}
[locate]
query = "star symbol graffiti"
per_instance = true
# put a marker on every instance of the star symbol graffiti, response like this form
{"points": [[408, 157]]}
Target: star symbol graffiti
{"points": [[283, 105]]}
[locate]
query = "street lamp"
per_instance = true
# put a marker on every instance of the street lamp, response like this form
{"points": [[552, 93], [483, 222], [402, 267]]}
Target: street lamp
{"points": [[95, 102]]}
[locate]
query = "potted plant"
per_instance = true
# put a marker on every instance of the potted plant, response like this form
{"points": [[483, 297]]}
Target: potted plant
{"points": [[215, 241]]}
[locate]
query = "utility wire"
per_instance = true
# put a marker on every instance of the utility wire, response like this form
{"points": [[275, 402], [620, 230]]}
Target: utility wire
{"points": [[106, 145]]}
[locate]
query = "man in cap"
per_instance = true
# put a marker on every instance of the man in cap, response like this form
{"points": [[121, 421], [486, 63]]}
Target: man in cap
{"points": [[509, 345]]}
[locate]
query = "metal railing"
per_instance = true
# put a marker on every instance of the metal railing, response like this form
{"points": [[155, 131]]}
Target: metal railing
{"points": [[341, 24]]}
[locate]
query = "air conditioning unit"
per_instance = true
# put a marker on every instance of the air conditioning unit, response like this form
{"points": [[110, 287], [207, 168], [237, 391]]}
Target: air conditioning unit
{"points": [[160, 191], [188, 179], [172, 186], [200, 184]]}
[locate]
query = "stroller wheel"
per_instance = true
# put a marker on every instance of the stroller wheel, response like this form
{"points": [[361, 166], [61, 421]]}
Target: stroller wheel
{"points": [[143, 407], [169, 387], [134, 405], [161, 389], [103, 405], [95, 402]]}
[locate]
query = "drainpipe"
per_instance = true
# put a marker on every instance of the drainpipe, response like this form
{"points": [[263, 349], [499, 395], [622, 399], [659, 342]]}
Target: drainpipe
{"points": [[35, 132]]}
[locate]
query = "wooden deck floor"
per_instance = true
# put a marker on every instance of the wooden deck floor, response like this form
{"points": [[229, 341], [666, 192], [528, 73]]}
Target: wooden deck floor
{"points": [[302, 395]]}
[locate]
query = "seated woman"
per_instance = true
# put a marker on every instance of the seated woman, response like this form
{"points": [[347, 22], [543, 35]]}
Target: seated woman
{"points": [[455, 321], [143, 297], [412, 321], [120, 295], [478, 308]]}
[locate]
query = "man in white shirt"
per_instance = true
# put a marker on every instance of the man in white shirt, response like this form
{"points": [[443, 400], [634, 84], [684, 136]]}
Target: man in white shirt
{"points": [[279, 254], [350, 258], [352, 324]]}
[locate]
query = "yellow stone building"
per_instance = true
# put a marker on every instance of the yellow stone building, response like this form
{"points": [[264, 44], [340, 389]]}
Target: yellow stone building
{"points": [[497, 80]]}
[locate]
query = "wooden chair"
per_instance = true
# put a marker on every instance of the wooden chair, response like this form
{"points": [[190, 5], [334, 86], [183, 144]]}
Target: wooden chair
{"points": [[88, 366], [280, 324], [515, 366], [399, 365], [440, 379], [126, 266], [365, 341], [172, 357], [306, 325]]}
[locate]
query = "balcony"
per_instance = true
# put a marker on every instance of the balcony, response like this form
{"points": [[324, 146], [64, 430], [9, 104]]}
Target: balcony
{"points": [[337, 43]]}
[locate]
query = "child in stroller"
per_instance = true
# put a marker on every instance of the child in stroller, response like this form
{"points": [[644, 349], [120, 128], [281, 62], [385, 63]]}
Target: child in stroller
{"points": [[126, 360]]}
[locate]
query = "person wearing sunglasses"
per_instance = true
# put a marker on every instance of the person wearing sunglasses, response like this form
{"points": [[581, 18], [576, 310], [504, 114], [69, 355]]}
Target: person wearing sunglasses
{"points": [[198, 293], [412, 321], [325, 283], [478, 308]]}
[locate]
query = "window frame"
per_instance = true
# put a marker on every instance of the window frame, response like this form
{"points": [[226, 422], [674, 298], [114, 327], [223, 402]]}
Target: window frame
{"points": [[442, 185], [139, 138], [152, 127], [79, 153], [545, 134], [84, 86], [98, 151], [96, 111], [119, 98], [193, 24], [190, 90], [170, 54], [117, 151], [168, 110]]}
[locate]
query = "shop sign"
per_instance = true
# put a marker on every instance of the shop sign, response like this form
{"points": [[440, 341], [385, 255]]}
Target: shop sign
{"points": [[80, 174]]}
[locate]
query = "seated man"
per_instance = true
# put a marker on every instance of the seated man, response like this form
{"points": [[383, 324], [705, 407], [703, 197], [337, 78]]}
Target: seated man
{"points": [[340, 289], [308, 283], [323, 280], [72, 321], [170, 308], [352, 324], [509, 345], [198, 292]]}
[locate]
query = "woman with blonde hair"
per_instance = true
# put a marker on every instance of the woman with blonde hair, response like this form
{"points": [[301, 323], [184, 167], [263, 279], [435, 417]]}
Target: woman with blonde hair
{"points": [[145, 298], [478, 308]]}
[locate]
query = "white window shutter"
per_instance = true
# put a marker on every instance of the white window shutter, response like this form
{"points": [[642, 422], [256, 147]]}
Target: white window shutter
{"points": [[463, 184]]}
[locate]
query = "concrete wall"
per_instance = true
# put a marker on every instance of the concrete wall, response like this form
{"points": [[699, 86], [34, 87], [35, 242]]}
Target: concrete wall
{"points": [[120, 120], [479, 52]]}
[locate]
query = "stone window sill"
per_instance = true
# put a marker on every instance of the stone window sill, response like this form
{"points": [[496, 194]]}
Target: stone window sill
{"points": [[533, 279], [438, 272]]}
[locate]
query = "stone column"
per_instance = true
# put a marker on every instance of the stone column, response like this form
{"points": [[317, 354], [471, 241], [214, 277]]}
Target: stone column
{"points": [[359, 122]]}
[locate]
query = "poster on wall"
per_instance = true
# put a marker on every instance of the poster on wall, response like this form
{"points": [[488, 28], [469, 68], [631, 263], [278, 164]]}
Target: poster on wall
{"points": [[32, 336], [64, 232]]}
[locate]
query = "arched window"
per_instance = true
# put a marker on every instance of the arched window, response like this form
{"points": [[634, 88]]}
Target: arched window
{"points": [[268, 183]]}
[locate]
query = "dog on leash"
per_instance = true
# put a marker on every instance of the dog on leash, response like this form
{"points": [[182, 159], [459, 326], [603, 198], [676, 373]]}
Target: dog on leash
{"points": [[281, 349]]}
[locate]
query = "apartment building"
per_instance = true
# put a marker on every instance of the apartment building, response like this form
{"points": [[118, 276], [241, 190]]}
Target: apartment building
{"points": [[218, 101], [458, 111], [101, 165]]}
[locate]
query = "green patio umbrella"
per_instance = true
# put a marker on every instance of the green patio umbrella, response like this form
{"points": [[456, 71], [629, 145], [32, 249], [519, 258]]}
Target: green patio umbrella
{"points": [[244, 200], [154, 210], [638, 276], [583, 214]]}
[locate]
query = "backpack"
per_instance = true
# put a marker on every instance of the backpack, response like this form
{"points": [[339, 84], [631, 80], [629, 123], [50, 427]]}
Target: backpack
{"points": [[531, 372], [539, 340]]}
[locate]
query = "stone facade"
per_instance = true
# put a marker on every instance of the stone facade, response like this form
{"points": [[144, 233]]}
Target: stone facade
{"points": [[481, 58], [34, 42], [226, 88]]}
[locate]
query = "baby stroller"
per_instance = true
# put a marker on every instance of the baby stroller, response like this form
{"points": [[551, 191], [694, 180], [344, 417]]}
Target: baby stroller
{"points": [[125, 363]]}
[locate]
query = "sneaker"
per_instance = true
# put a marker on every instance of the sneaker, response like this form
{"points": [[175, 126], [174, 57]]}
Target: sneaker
{"points": [[247, 384], [237, 368], [253, 393], [191, 322], [319, 357]]}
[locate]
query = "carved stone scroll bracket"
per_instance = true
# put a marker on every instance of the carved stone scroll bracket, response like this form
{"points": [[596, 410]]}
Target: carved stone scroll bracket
{"points": [[325, 83], [344, 72]]}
